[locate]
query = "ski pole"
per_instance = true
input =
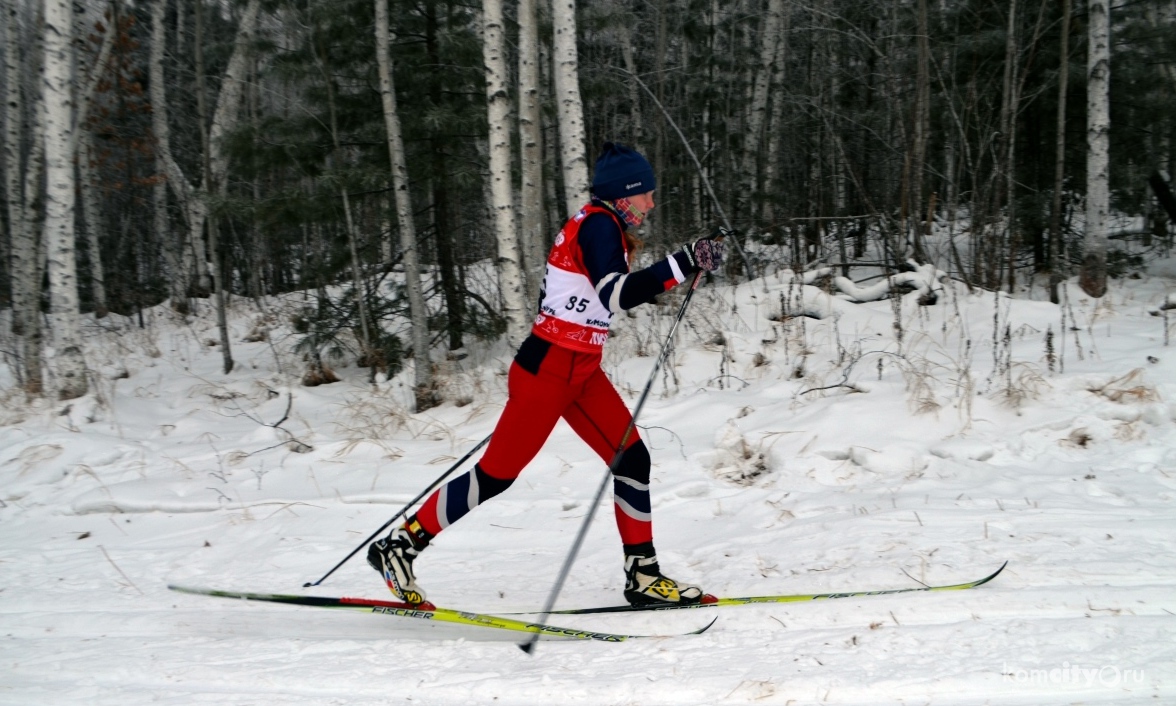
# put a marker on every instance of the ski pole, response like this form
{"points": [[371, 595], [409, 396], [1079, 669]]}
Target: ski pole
{"points": [[529, 645], [402, 510]]}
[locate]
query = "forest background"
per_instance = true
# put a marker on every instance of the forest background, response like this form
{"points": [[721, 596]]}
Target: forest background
{"points": [[370, 154]]}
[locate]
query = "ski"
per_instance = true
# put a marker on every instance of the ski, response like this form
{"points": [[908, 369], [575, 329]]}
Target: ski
{"points": [[709, 601], [426, 611]]}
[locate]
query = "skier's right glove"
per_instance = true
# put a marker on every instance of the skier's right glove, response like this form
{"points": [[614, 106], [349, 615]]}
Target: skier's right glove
{"points": [[707, 254]]}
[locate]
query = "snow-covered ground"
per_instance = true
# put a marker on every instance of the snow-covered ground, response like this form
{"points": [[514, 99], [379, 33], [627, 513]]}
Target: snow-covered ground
{"points": [[791, 455]]}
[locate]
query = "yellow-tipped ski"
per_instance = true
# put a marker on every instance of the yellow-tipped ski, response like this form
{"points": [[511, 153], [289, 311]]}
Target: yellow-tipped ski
{"points": [[424, 611], [709, 601]]}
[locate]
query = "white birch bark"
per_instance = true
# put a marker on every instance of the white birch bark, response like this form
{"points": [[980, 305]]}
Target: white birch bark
{"points": [[1009, 136], [224, 119], [553, 208], [423, 367], [13, 128], [57, 114], [33, 245], [92, 73], [498, 105], [22, 190], [228, 103], [177, 253], [1057, 268], [88, 74], [570, 108], [232, 92], [530, 152], [635, 122], [921, 130], [91, 210], [759, 100], [775, 121], [1093, 278]]}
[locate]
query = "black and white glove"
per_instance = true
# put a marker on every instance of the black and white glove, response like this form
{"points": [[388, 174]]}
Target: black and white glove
{"points": [[707, 254]]}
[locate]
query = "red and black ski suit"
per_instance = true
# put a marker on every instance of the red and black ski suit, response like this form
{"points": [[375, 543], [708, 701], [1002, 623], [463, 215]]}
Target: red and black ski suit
{"points": [[556, 373]]}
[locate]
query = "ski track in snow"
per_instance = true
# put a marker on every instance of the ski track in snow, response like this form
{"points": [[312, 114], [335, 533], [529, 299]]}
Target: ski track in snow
{"points": [[933, 460]]}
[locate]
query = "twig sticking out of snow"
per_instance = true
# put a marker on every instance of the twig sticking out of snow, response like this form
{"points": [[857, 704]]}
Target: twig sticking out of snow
{"points": [[120, 571]]}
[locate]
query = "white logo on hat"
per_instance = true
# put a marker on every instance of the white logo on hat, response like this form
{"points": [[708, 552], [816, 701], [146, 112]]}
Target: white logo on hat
{"points": [[630, 186]]}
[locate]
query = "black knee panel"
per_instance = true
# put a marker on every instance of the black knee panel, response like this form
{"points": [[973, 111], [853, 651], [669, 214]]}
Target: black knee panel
{"points": [[488, 485], [634, 463]]}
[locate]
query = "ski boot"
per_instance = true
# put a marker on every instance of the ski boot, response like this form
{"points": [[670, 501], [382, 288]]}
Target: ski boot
{"points": [[645, 584], [392, 557]]}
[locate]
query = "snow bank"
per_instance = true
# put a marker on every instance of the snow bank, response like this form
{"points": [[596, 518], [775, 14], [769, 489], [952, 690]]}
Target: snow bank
{"points": [[800, 444]]}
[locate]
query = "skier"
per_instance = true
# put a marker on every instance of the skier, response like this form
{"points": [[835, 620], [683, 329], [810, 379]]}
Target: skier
{"points": [[556, 373]]}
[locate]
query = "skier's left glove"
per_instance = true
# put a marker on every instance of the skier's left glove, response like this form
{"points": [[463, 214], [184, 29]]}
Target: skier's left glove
{"points": [[707, 253]]}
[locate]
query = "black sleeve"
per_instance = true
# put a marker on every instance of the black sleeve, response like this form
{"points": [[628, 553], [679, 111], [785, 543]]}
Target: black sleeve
{"points": [[601, 245]]}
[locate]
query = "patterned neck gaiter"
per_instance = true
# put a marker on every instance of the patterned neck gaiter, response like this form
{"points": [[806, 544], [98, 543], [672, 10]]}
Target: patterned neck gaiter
{"points": [[630, 214]]}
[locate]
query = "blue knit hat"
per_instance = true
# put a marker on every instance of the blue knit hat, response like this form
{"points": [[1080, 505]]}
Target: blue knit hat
{"points": [[621, 172]]}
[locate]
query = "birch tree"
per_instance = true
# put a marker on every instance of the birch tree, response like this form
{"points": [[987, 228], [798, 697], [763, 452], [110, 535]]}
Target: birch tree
{"points": [[570, 107], [88, 184], [1093, 278], [498, 107], [23, 184], [13, 128], [531, 156], [193, 199], [57, 114], [769, 40], [776, 120], [1056, 268], [234, 79], [177, 251], [922, 128], [423, 387], [92, 213]]}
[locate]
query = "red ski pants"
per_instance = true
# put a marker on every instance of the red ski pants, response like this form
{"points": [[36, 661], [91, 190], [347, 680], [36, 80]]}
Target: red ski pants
{"points": [[570, 385]]}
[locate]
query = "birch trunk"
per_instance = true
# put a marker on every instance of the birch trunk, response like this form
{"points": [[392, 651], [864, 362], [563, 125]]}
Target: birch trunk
{"points": [[13, 129], [88, 74], [1093, 278], [179, 255], [922, 129], [657, 227], [498, 106], [570, 107], [204, 278], [759, 97], [635, 122], [92, 74], [57, 114], [92, 215], [1057, 270], [33, 244], [552, 208], [423, 387], [227, 109], [224, 119], [531, 156], [1008, 123], [23, 190]]}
